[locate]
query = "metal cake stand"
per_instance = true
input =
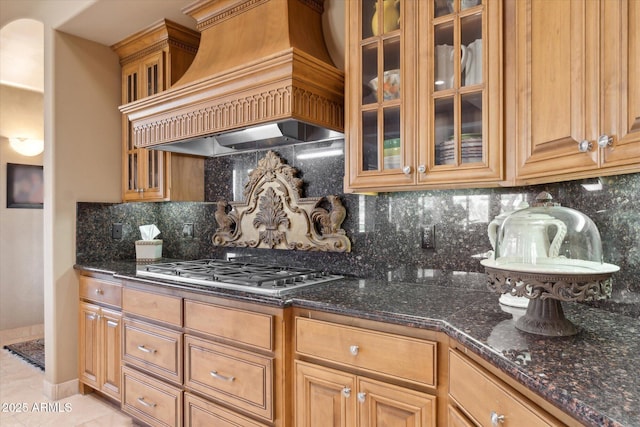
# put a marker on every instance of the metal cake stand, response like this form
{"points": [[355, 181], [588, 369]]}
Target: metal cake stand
{"points": [[546, 287]]}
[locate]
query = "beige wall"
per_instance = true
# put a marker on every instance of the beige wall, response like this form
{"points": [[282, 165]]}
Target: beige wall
{"points": [[21, 255], [83, 163]]}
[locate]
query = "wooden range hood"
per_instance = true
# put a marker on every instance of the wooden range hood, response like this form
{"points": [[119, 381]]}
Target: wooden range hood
{"points": [[259, 62]]}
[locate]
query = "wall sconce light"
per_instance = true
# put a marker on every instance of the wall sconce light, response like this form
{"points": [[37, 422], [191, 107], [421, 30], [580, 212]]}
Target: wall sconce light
{"points": [[27, 146]]}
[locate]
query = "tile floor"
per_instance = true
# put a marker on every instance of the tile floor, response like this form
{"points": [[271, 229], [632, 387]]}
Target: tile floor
{"points": [[21, 388]]}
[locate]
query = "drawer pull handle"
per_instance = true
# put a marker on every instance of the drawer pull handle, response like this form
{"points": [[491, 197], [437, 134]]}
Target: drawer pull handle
{"points": [[362, 397], [354, 350], [346, 392], [214, 374], [496, 419], [146, 350], [145, 403], [99, 291]]}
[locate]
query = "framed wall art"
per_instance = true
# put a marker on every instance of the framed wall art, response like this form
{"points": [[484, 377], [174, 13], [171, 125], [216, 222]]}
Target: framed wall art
{"points": [[25, 186]]}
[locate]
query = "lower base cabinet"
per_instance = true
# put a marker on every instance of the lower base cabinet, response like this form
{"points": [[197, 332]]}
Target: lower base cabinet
{"points": [[154, 402], [329, 397], [238, 378], [99, 336], [202, 413], [456, 418], [480, 399]]}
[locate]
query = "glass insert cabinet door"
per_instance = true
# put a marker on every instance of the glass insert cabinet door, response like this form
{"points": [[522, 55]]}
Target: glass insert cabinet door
{"points": [[458, 85], [423, 95], [381, 84], [459, 67]]}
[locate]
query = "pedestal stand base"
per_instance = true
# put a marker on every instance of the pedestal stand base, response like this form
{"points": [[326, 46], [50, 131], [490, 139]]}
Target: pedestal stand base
{"points": [[546, 317]]}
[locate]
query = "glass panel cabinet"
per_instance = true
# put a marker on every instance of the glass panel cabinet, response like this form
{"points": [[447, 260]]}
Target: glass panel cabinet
{"points": [[152, 60], [143, 169], [424, 102]]}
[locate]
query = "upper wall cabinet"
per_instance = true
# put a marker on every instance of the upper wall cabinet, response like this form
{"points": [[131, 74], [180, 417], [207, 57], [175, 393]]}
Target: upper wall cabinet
{"points": [[573, 92], [423, 94], [152, 61]]}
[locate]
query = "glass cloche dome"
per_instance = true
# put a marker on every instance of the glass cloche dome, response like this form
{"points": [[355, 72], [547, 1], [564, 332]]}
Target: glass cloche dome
{"points": [[548, 254], [547, 237]]}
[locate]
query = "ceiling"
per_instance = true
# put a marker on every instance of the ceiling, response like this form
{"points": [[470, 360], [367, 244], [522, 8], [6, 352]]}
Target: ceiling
{"points": [[102, 21], [106, 22]]}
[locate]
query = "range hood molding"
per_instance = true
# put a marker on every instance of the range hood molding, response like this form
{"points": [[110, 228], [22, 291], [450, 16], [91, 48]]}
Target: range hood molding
{"points": [[286, 83]]}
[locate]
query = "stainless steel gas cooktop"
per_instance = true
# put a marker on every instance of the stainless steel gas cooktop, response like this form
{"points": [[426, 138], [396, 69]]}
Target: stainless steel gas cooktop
{"points": [[248, 277]]}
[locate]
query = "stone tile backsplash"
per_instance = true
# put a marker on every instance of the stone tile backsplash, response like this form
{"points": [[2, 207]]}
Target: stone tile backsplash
{"points": [[386, 230]]}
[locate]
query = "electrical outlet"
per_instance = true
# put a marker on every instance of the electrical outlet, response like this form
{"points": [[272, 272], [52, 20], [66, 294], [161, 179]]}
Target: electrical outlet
{"points": [[429, 237], [187, 230], [116, 230]]}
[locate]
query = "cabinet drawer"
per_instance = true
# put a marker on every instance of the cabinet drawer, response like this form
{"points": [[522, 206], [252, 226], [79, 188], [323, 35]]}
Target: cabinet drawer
{"points": [[100, 291], [241, 326], [400, 357], [479, 395], [232, 376], [199, 412], [457, 418], [150, 400], [155, 349], [162, 308]]}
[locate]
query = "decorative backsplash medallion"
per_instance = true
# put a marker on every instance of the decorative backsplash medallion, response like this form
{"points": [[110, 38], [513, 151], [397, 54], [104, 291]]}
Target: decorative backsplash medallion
{"points": [[275, 216]]}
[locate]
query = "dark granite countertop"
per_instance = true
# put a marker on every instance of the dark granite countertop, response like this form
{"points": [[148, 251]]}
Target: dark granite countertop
{"points": [[594, 375]]}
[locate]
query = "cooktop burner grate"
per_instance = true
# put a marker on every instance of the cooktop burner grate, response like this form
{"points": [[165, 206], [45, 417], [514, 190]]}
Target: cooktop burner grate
{"points": [[256, 278]]}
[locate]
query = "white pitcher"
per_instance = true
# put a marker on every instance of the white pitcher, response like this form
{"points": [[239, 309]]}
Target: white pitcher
{"points": [[473, 65], [526, 237], [444, 68]]}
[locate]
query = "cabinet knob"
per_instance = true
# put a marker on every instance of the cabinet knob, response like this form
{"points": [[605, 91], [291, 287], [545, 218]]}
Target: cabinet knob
{"points": [[346, 392], [422, 168], [406, 170], [362, 396], [99, 292], [354, 350], [584, 146], [605, 141], [496, 419]]}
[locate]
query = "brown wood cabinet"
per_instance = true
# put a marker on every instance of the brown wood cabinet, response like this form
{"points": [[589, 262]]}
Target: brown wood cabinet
{"points": [[197, 359], [363, 391], [152, 357], [326, 396], [400, 357], [225, 361], [200, 412], [435, 117], [154, 349], [573, 93], [241, 379], [236, 357], [487, 401], [152, 61], [100, 332], [154, 402]]}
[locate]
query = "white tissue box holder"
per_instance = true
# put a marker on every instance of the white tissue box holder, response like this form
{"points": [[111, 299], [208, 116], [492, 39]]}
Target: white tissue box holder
{"points": [[148, 250]]}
